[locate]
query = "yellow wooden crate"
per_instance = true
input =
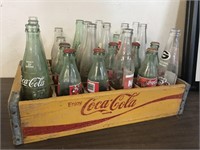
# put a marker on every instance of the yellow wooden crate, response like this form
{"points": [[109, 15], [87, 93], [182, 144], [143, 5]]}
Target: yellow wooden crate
{"points": [[37, 120]]}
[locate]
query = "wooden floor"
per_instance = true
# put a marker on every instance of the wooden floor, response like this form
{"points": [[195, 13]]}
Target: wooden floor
{"points": [[167, 133]]}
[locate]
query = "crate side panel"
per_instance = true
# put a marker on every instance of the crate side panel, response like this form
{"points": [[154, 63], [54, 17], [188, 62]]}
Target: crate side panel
{"points": [[71, 115]]}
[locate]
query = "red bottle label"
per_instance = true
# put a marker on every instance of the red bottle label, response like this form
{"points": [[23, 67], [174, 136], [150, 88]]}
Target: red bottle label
{"points": [[110, 74], [75, 89], [92, 86], [128, 81], [146, 82]]}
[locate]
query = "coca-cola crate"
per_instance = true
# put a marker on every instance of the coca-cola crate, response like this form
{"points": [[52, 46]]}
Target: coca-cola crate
{"points": [[37, 120]]}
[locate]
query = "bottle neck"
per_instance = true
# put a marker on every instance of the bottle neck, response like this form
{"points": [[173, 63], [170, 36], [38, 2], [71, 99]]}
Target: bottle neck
{"points": [[68, 59], [91, 38], [125, 48], [58, 33], [98, 57]]}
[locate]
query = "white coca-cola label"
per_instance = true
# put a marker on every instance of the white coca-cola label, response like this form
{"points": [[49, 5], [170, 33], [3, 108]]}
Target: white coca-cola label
{"points": [[34, 82]]}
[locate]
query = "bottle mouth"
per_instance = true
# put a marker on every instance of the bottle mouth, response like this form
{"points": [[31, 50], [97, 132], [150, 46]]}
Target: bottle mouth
{"points": [[31, 28], [64, 44], [113, 44], [136, 44], [69, 50], [99, 50]]}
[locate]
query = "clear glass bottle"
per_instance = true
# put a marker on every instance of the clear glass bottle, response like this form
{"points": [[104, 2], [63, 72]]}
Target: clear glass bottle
{"points": [[54, 61], [35, 83], [135, 52], [123, 26], [156, 46], [110, 57], [78, 34], [147, 75], [58, 32], [105, 36], [168, 64], [80, 49], [135, 27], [142, 40], [97, 77], [124, 68], [99, 31], [87, 56], [115, 37], [69, 82], [58, 68]]}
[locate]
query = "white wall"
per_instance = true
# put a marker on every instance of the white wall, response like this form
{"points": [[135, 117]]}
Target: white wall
{"points": [[160, 15]]}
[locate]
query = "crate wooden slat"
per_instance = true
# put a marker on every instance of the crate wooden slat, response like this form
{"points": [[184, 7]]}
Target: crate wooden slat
{"points": [[37, 120]]}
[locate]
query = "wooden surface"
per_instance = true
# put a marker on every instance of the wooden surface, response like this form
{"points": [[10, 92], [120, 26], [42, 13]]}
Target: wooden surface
{"points": [[172, 132]]}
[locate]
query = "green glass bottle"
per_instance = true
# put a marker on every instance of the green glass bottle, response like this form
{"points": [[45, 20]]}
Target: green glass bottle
{"points": [[123, 71], [97, 77], [58, 68], [156, 46], [69, 82], [87, 55], [135, 52], [147, 75], [110, 57], [35, 77], [78, 34]]}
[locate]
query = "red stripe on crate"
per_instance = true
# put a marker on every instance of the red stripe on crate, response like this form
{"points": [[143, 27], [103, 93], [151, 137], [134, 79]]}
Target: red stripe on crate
{"points": [[31, 131]]}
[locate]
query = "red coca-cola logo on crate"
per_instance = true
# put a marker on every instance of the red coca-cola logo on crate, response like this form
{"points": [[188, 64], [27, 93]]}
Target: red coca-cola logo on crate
{"points": [[121, 102]]}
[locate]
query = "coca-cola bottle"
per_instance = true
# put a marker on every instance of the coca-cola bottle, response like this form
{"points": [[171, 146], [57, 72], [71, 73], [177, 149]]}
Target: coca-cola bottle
{"points": [[33, 20], [168, 64], [69, 82], [97, 77], [135, 27], [87, 57], [54, 60], [99, 31], [123, 26], [156, 46], [142, 37], [135, 52], [105, 36], [123, 71], [147, 74], [110, 57], [78, 34], [58, 68], [58, 32], [80, 48], [35, 76]]}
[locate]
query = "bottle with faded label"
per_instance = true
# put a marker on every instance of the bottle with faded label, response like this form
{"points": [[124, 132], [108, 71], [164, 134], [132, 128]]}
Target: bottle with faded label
{"points": [[69, 82], [110, 57], [35, 76], [147, 75], [123, 70], [168, 64], [97, 77]]}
